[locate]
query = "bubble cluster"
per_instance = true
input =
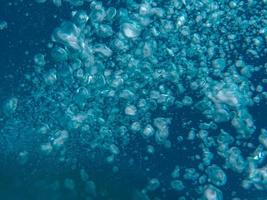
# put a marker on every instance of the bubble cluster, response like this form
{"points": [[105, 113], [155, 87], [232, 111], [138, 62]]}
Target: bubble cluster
{"points": [[170, 76], [3, 25]]}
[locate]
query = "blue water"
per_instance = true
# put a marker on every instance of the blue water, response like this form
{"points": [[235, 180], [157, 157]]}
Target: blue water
{"points": [[29, 30]]}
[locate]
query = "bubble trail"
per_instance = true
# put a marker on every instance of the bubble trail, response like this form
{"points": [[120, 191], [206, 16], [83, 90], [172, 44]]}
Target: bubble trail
{"points": [[162, 90]]}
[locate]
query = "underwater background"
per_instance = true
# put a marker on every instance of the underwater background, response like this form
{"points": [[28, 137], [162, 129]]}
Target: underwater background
{"points": [[181, 147]]}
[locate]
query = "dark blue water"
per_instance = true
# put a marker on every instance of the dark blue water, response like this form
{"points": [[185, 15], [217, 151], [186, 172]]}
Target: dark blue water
{"points": [[29, 30]]}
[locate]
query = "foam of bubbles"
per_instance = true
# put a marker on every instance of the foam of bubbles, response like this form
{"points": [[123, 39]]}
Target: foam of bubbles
{"points": [[152, 79]]}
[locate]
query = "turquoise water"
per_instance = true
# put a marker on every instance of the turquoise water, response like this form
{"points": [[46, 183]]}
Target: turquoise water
{"points": [[149, 100]]}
